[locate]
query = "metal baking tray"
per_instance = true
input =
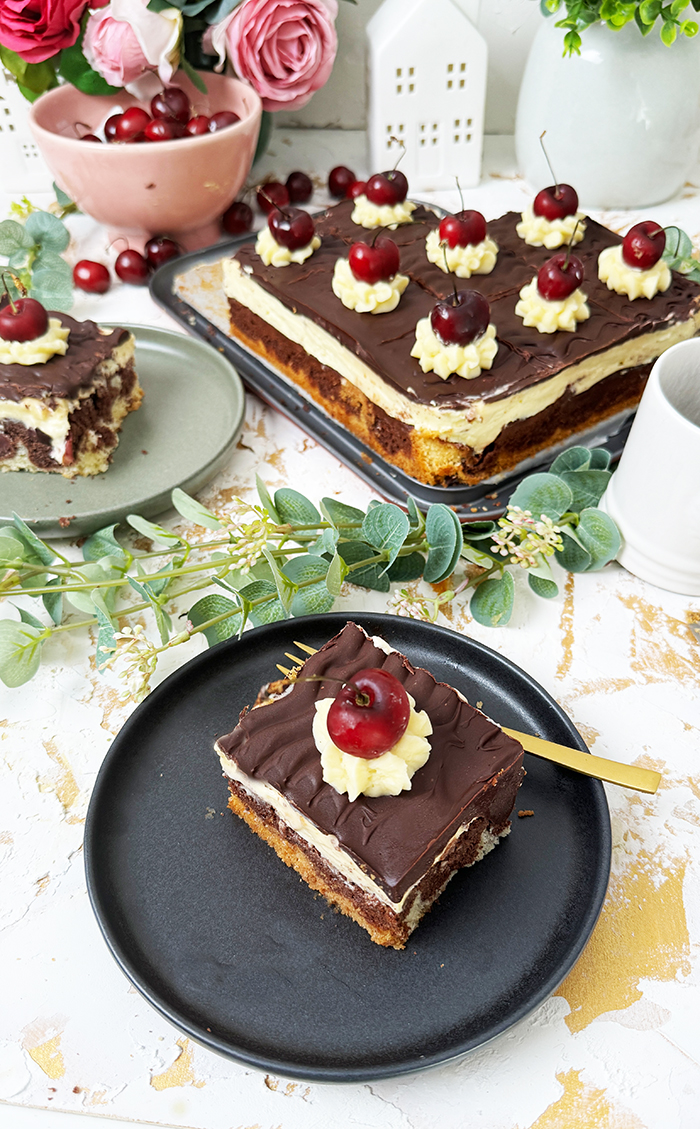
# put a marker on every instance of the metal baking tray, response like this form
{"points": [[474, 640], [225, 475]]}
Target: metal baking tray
{"points": [[203, 311]]}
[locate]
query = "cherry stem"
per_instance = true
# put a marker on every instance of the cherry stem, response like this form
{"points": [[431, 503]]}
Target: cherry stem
{"points": [[455, 296], [269, 199], [361, 697], [402, 143], [6, 290], [459, 189], [569, 248], [116, 240], [378, 232], [546, 157]]}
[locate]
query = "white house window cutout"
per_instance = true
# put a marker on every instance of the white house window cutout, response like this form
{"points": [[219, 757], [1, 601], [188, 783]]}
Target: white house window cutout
{"points": [[427, 65], [22, 168]]}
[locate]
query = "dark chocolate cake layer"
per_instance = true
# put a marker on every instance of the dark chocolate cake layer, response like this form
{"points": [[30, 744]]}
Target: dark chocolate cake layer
{"points": [[394, 838], [62, 377]]}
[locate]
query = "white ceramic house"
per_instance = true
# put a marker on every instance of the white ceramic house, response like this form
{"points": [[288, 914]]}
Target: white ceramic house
{"points": [[22, 167], [427, 88]]}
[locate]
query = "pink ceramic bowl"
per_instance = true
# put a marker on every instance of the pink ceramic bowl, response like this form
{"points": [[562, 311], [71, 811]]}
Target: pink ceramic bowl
{"points": [[176, 188]]}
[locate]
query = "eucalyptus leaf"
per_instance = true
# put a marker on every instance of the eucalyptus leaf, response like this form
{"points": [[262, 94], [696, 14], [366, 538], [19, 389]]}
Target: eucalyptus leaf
{"points": [[476, 556], [587, 487], [211, 606], [543, 495], [386, 528], [193, 510], [53, 289], [32, 620], [478, 530], [304, 568], [314, 600], [48, 231], [39, 548], [492, 602], [600, 459], [61, 197], [92, 571], [14, 237], [266, 500], [326, 543], [294, 508], [600, 537], [286, 588], [444, 535], [272, 610], [371, 576], [103, 543], [572, 556], [575, 458], [678, 244], [163, 622], [20, 652], [406, 568], [547, 589], [12, 551], [106, 642], [337, 571], [53, 601], [340, 514], [153, 532], [416, 517]]}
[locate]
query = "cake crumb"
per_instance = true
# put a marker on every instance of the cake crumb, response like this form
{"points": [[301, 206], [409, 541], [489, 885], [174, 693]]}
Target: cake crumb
{"points": [[366, 458], [64, 522], [525, 811], [480, 705], [210, 813]]}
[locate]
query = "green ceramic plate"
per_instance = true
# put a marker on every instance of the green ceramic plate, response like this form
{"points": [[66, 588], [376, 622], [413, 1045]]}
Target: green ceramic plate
{"points": [[182, 435]]}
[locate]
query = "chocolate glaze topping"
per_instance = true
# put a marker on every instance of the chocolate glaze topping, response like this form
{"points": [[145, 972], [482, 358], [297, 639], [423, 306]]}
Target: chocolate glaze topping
{"points": [[61, 377], [394, 838], [524, 357]]}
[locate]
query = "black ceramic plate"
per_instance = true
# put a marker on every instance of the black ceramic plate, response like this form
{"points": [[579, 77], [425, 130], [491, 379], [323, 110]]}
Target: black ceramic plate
{"points": [[233, 948]]}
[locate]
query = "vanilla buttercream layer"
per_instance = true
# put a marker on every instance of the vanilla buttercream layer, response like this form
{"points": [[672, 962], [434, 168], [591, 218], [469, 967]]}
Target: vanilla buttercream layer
{"points": [[54, 420], [480, 422]]}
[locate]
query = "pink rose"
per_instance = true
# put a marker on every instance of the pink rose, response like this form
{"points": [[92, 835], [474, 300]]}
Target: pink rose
{"points": [[284, 48], [125, 40], [112, 49], [37, 29]]}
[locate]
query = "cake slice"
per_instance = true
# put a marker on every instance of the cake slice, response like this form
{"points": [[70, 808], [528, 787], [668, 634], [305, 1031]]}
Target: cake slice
{"points": [[381, 859], [64, 415]]}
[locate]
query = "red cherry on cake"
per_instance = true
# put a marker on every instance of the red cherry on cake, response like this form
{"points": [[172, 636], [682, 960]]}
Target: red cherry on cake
{"points": [[339, 180], [387, 188], [464, 229], [238, 218], [300, 187], [461, 319], [357, 188], [644, 245], [292, 228], [172, 102], [160, 250], [131, 267], [131, 124], [163, 129], [222, 119], [110, 127], [556, 202], [557, 279], [374, 262], [276, 196], [198, 125], [92, 277], [368, 723], [24, 319]]}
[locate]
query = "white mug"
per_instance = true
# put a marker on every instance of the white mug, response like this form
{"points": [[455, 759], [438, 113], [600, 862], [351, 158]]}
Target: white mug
{"points": [[654, 495]]}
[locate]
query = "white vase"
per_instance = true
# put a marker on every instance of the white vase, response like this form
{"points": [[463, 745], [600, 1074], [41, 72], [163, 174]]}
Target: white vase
{"points": [[621, 117]]}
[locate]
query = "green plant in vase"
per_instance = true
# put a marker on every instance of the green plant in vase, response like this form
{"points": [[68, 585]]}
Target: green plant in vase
{"points": [[647, 14]]}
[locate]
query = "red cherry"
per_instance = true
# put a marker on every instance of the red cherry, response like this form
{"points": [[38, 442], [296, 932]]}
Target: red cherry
{"points": [[357, 188], [131, 267], [222, 119], [371, 722], [163, 129], [92, 277], [110, 127], [197, 125], [300, 187], [644, 245], [91, 137], [339, 180], [557, 279], [460, 320], [238, 218], [464, 229], [556, 202], [23, 320], [387, 188], [172, 102], [373, 262], [276, 196], [131, 124], [292, 228], [160, 250]]}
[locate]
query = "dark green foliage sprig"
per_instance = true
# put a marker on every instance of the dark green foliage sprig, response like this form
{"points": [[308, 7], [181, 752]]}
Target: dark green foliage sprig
{"points": [[32, 251], [580, 14], [288, 557]]}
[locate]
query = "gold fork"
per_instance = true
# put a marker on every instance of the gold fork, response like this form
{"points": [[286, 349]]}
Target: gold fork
{"points": [[614, 772]]}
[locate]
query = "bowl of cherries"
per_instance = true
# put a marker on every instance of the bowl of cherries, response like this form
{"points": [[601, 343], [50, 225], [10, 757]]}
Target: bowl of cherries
{"points": [[173, 164]]}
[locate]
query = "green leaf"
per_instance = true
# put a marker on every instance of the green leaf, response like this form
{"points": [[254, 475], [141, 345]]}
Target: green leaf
{"points": [[668, 34], [295, 509], [307, 567], [649, 10], [476, 556], [92, 570], [74, 67], [600, 537], [103, 543], [48, 231], [600, 459], [478, 530], [314, 600], [106, 642], [12, 549], [27, 617], [340, 514], [575, 458], [13, 62], [371, 576], [587, 487], [406, 568], [39, 548], [193, 75], [337, 571], [61, 197], [53, 601], [678, 244], [209, 607], [13, 238], [572, 556], [53, 289], [444, 535], [286, 589], [547, 589], [153, 532], [386, 528], [266, 500], [193, 510], [416, 518], [272, 610], [492, 602], [20, 652], [39, 77], [543, 494]]}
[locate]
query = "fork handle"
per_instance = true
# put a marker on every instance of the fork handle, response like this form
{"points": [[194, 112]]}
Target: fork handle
{"points": [[627, 775]]}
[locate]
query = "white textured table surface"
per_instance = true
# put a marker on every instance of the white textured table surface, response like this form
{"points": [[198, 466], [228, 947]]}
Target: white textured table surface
{"points": [[617, 1047]]}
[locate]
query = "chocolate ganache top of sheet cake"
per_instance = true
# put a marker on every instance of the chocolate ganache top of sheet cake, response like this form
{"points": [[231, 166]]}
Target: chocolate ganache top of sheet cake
{"points": [[395, 838], [62, 377], [525, 356]]}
